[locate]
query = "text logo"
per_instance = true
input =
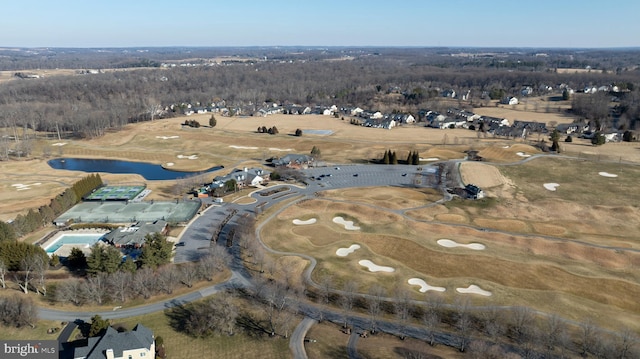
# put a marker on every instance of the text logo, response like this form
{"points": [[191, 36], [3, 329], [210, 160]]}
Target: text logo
{"points": [[29, 349]]}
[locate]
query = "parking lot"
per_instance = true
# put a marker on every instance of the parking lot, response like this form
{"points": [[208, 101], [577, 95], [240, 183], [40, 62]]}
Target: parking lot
{"points": [[370, 175]]}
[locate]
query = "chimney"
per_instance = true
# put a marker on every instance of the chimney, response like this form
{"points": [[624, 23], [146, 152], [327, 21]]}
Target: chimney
{"points": [[109, 354]]}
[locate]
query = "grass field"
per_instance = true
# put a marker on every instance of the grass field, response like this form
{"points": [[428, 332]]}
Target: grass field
{"points": [[525, 265], [548, 258]]}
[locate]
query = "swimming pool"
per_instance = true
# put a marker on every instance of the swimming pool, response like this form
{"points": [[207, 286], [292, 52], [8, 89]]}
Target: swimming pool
{"points": [[80, 239]]}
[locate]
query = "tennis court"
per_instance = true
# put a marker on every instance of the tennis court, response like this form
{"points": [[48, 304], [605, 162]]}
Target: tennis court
{"points": [[130, 212], [115, 193]]}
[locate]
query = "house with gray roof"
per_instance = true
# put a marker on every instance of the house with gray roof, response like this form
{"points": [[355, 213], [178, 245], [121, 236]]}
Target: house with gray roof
{"points": [[138, 343], [134, 236], [293, 161]]}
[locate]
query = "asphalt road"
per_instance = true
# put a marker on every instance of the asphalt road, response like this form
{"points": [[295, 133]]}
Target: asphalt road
{"points": [[296, 343]]}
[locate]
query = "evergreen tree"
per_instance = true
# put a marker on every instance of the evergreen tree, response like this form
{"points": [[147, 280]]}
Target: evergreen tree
{"points": [[7, 232], [598, 139], [385, 158], [98, 326], [128, 265], [13, 252], [76, 259], [315, 152], [156, 251], [555, 137], [298, 132], [104, 259], [393, 158], [212, 121]]}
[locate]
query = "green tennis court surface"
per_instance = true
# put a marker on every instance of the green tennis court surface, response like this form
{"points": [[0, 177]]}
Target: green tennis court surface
{"points": [[115, 193]]}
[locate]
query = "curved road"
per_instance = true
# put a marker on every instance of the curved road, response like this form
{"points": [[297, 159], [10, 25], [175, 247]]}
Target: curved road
{"points": [[296, 344]]}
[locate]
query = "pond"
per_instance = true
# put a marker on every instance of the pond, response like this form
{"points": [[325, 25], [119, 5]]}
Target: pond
{"points": [[149, 171]]}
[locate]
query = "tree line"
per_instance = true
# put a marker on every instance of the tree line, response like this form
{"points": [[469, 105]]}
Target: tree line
{"points": [[88, 105], [35, 219]]}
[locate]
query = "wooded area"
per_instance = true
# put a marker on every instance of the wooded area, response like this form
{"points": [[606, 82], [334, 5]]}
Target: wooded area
{"points": [[403, 80]]}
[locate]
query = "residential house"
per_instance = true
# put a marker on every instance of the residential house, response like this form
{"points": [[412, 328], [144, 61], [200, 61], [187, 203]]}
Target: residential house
{"points": [[489, 120], [138, 343], [293, 161], [526, 91], [511, 100], [401, 118], [474, 192], [567, 128], [449, 93]]}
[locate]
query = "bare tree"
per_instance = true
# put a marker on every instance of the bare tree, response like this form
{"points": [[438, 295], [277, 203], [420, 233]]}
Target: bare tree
{"points": [[277, 296], [95, 287], [227, 313], [40, 265], [588, 333], [168, 278], [431, 322], [144, 282], [522, 321], [494, 324], [463, 325], [3, 273], [71, 291], [119, 285], [18, 311], [374, 305], [348, 298], [325, 283], [625, 345], [26, 266], [554, 325], [188, 274], [402, 306]]}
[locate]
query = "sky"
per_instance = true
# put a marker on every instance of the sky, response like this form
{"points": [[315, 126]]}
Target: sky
{"points": [[421, 23]]}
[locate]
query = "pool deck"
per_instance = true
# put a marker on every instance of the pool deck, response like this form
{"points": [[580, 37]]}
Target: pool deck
{"points": [[65, 249]]}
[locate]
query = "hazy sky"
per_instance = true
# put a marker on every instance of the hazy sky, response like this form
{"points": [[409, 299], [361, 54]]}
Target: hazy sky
{"points": [[478, 23]]}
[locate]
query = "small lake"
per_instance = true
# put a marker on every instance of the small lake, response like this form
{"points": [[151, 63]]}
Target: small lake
{"points": [[149, 171]]}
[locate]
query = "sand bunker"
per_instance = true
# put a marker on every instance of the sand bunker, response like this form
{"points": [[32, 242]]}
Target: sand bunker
{"points": [[451, 244], [299, 222], [607, 174], [343, 252], [167, 137], [243, 147], [169, 164], [551, 186], [348, 225], [280, 149], [424, 287], [429, 159], [59, 144], [190, 157], [522, 154], [474, 289], [24, 187], [507, 146], [374, 267]]}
